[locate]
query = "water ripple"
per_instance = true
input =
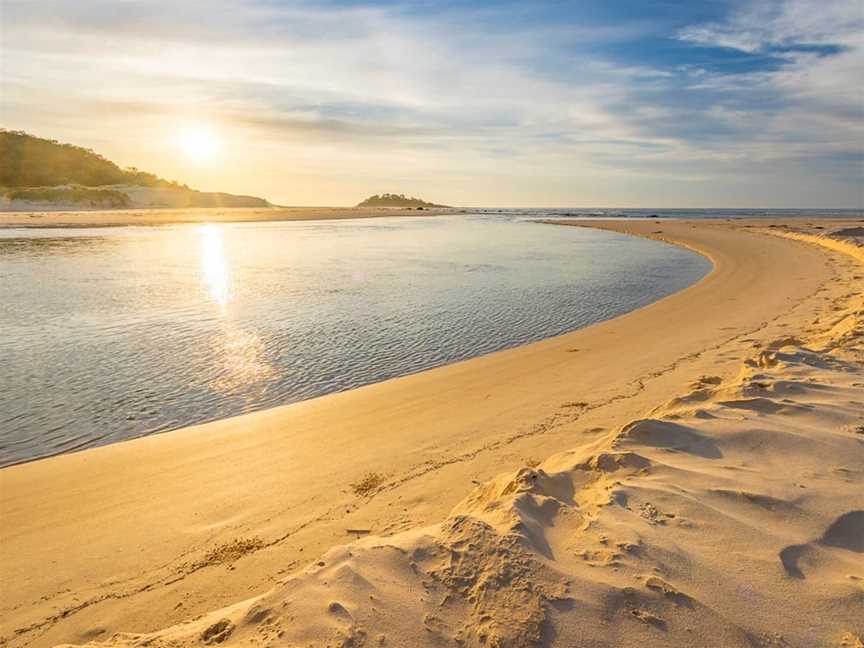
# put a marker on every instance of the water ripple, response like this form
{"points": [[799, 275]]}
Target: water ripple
{"points": [[118, 333]]}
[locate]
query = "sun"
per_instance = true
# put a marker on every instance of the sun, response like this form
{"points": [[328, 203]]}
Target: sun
{"points": [[199, 143]]}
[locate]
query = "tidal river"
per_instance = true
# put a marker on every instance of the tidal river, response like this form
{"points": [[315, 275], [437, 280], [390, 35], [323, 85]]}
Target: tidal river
{"points": [[114, 333]]}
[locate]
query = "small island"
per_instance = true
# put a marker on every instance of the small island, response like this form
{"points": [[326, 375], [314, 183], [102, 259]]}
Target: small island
{"points": [[397, 201]]}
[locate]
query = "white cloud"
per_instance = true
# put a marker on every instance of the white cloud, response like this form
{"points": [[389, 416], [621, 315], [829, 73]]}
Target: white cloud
{"points": [[760, 24], [816, 97], [357, 97]]}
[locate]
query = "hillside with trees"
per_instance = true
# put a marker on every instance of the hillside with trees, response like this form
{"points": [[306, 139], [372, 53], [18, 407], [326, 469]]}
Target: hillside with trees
{"points": [[396, 200], [42, 171], [29, 161]]}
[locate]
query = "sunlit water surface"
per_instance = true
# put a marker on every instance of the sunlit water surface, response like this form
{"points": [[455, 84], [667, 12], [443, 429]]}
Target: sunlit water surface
{"points": [[109, 334]]}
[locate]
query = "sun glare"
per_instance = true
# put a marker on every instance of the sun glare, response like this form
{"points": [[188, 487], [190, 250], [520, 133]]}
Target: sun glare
{"points": [[214, 266], [198, 143]]}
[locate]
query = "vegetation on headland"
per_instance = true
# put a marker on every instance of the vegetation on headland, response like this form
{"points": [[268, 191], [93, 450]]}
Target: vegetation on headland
{"points": [[396, 200], [30, 161], [105, 198], [39, 170]]}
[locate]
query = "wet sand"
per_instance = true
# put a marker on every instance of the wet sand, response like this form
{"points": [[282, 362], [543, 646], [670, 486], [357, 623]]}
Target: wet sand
{"points": [[127, 217]]}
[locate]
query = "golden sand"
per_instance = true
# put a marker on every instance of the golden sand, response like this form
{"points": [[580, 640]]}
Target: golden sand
{"points": [[689, 474]]}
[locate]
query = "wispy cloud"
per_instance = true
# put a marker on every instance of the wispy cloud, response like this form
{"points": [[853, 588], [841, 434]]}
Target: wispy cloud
{"points": [[810, 110], [325, 103], [790, 23]]}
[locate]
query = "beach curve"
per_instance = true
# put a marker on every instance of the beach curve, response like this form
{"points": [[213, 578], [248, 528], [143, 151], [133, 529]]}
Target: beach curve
{"points": [[427, 435]]}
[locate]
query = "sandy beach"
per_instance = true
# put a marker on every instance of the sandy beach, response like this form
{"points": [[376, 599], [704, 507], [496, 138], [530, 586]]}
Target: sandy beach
{"points": [[688, 474], [127, 217]]}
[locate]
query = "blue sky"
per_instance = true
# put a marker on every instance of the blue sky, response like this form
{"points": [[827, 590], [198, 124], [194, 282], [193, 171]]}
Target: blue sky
{"points": [[543, 103]]}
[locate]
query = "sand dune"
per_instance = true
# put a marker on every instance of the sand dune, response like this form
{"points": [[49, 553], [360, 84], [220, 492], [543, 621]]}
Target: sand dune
{"points": [[718, 504], [732, 517]]}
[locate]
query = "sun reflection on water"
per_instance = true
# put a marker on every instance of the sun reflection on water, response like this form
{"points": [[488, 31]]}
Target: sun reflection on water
{"points": [[241, 363], [242, 366], [214, 265]]}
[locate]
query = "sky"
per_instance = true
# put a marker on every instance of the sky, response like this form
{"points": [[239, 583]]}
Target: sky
{"points": [[610, 103]]}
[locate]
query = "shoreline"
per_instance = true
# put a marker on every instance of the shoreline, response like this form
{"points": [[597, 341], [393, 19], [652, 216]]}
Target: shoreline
{"points": [[156, 217], [413, 372], [233, 472], [147, 217]]}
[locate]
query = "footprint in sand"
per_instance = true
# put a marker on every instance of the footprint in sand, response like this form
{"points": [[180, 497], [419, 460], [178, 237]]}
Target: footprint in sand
{"points": [[672, 436], [218, 632], [659, 585], [846, 532], [338, 610], [790, 557]]}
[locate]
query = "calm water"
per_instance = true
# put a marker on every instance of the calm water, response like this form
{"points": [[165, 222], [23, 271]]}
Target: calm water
{"points": [[110, 334], [646, 212]]}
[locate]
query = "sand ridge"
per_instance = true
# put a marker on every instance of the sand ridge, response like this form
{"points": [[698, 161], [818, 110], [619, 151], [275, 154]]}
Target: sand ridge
{"points": [[733, 516], [540, 552]]}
